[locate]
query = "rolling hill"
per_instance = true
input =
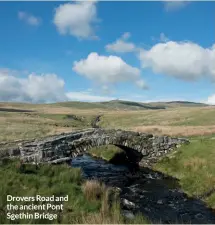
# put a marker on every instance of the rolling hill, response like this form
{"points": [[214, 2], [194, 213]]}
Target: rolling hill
{"points": [[129, 105]]}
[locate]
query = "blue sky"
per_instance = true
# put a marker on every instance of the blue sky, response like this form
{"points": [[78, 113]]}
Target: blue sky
{"points": [[97, 51]]}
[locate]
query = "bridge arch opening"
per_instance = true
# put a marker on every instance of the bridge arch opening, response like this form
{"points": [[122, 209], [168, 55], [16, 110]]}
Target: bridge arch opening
{"points": [[117, 154]]}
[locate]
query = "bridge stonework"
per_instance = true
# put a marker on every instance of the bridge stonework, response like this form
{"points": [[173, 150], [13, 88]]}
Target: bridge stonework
{"points": [[139, 147]]}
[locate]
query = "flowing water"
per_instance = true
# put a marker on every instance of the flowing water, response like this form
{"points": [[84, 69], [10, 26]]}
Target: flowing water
{"points": [[157, 196]]}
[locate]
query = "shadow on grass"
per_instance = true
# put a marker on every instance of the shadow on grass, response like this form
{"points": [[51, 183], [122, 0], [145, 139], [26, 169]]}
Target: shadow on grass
{"points": [[15, 110]]}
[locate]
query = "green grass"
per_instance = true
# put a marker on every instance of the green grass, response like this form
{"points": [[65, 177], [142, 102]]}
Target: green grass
{"points": [[14, 131], [84, 204], [64, 120], [15, 126], [211, 200], [184, 116], [127, 105], [105, 152], [81, 105], [48, 180], [126, 120], [194, 166], [205, 117]]}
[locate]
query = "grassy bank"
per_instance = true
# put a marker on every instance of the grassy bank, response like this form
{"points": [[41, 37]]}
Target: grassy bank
{"points": [[194, 166], [88, 201]]}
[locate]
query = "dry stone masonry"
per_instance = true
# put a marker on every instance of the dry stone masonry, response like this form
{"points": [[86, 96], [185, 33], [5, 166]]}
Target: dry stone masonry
{"points": [[139, 147]]}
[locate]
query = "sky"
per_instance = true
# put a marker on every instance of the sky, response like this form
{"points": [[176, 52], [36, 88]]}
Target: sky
{"points": [[100, 51]]}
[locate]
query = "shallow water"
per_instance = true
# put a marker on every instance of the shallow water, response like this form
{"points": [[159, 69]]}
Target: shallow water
{"points": [[157, 196]]}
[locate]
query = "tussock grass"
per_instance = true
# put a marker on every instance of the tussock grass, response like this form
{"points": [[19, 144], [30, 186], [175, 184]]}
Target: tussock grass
{"points": [[93, 189], [181, 131], [195, 164]]}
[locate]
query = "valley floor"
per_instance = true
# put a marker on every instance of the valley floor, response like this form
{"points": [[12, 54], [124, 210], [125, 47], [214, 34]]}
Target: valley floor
{"points": [[193, 165]]}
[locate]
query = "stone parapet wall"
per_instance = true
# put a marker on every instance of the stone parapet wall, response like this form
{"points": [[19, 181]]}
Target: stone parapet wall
{"points": [[138, 146]]}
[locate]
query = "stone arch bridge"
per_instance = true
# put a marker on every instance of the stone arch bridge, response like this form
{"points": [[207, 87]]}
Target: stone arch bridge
{"points": [[138, 146]]}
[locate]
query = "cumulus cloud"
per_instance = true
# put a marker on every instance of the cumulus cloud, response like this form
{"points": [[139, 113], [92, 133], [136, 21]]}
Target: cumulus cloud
{"points": [[86, 96], [185, 60], [174, 5], [211, 100], [29, 18], [45, 88], [106, 69], [77, 19], [121, 45], [34, 88]]}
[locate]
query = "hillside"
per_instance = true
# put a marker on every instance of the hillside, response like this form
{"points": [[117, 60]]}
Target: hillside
{"points": [[27, 121], [108, 105], [129, 105], [114, 104], [178, 104]]}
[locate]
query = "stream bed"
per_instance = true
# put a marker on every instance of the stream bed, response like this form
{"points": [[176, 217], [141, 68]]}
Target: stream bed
{"points": [[154, 194]]}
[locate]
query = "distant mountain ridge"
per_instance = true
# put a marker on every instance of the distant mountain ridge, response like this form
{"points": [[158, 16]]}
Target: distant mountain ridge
{"points": [[130, 105], [108, 105]]}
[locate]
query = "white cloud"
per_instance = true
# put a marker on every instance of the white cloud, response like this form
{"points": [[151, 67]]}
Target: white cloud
{"points": [[106, 69], [34, 88], [86, 96], [211, 100], [121, 45], [29, 19], [185, 60], [174, 5], [46, 88], [77, 19]]}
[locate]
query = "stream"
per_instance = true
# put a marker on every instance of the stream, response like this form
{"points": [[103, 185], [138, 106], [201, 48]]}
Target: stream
{"points": [[154, 194]]}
